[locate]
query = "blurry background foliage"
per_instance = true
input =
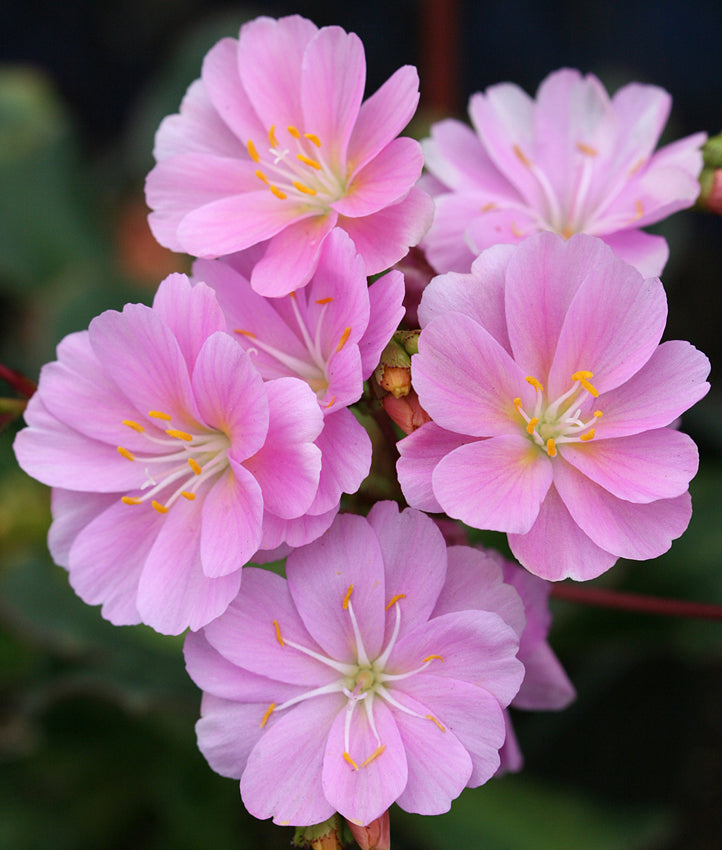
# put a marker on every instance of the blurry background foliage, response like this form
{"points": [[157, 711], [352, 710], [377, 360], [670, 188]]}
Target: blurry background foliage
{"points": [[97, 748]]}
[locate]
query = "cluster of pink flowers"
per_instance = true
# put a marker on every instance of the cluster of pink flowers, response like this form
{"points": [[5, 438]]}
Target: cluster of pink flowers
{"points": [[217, 427]]}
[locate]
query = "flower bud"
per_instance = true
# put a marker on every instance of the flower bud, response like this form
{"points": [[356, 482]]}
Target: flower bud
{"points": [[393, 373], [710, 179], [375, 836], [406, 412]]}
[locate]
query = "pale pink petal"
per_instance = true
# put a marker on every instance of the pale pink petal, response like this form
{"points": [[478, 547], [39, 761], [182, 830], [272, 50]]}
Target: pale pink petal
{"points": [[640, 468], [556, 547], [230, 522], [270, 57], [364, 792], [625, 529], [672, 380], [445, 243], [384, 115], [641, 112], [345, 459], [291, 791], [231, 396], [295, 532], [465, 380], [197, 128], [292, 256], [493, 226], [439, 765], [288, 465], [420, 452], [386, 295], [383, 181], [470, 715], [227, 732], [72, 512], [384, 237], [546, 687], [645, 251], [476, 646], [497, 484], [320, 576], [248, 633], [474, 579], [333, 75], [174, 593], [235, 222], [226, 92], [510, 754], [191, 313], [414, 553]]}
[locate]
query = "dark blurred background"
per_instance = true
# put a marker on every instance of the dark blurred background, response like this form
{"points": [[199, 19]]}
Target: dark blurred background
{"points": [[97, 748]]}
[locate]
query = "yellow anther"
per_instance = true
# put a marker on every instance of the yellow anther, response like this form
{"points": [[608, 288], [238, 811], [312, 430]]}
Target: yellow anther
{"points": [[597, 414], [307, 190], [324, 300], [272, 140], [158, 414], [516, 230], [431, 657], [179, 435], [262, 176], [517, 404], [268, 713], [435, 721], [126, 454], [347, 758], [374, 755], [306, 160], [277, 192], [488, 207], [313, 138], [162, 509], [136, 426], [567, 232], [583, 377], [188, 495], [252, 152], [293, 131], [395, 599], [638, 209], [635, 168], [278, 633], [344, 337], [587, 149], [551, 448], [588, 436], [194, 465], [330, 404], [530, 379], [521, 156], [347, 597], [292, 295], [245, 333], [130, 500], [531, 425]]}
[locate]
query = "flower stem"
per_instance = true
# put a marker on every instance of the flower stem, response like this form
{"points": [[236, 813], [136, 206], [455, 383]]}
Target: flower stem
{"points": [[640, 603]]}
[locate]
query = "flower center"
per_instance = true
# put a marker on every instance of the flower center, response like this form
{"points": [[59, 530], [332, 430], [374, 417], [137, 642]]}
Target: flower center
{"points": [[176, 464], [296, 168], [361, 682], [560, 421]]}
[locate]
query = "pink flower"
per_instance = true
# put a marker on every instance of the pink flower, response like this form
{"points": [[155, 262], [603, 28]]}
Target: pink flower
{"points": [[551, 402], [168, 452], [330, 334], [273, 145], [349, 686], [571, 161]]}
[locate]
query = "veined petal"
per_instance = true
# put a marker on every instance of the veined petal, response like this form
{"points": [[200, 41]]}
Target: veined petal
{"points": [[555, 547], [386, 295], [496, 484], [645, 251], [72, 512], [640, 468], [363, 793], [546, 687], [320, 591], [227, 732]]}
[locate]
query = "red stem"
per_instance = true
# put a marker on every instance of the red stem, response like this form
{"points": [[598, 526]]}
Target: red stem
{"points": [[636, 602]]}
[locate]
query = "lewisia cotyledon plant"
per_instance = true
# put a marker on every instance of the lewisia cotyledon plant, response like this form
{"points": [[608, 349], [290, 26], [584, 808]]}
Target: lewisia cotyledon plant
{"points": [[553, 406], [273, 145], [571, 161], [330, 334], [167, 451], [362, 679]]}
